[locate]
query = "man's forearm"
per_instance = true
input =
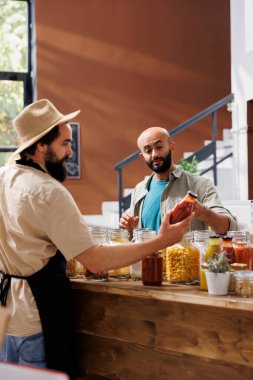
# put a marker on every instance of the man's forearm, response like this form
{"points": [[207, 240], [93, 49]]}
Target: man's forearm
{"points": [[218, 222]]}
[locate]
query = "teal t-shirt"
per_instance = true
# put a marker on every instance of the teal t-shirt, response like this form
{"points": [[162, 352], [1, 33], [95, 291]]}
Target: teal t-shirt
{"points": [[151, 214]]}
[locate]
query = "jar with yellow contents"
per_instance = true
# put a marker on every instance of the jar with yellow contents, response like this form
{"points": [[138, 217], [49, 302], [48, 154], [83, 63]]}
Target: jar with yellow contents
{"points": [[182, 261], [201, 239], [118, 236], [213, 247]]}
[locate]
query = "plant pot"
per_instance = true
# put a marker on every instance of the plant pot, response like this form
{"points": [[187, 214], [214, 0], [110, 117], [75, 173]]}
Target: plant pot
{"points": [[217, 283]]}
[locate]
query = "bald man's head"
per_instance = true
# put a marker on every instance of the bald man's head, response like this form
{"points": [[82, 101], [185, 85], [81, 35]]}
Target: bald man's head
{"points": [[152, 133], [156, 149]]}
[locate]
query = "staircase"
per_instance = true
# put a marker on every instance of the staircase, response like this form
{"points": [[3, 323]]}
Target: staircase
{"points": [[225, 177]]}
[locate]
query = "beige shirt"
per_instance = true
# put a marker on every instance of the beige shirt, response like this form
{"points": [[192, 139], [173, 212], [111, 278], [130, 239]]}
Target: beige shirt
{"points": [[37, 217]]}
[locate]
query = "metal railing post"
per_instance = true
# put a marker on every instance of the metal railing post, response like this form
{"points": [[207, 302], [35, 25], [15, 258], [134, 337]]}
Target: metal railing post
{"points": [[214, 127], [119, 170]]}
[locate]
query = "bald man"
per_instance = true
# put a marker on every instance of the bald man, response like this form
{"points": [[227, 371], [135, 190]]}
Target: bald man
{"points": [[168, 183]]}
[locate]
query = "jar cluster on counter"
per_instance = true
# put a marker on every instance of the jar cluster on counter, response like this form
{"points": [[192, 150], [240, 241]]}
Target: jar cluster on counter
{"points": [[237, 248], [182, 263]]}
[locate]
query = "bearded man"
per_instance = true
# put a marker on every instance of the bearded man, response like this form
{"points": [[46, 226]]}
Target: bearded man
{"points": [[167, 184], [41, 228]]}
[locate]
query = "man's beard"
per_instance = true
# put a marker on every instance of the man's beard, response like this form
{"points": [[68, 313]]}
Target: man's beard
{"points": [[56, 168], [164, 167]]}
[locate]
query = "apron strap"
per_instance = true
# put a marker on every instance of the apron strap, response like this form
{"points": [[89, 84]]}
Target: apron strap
{"points": [[5, 284]]}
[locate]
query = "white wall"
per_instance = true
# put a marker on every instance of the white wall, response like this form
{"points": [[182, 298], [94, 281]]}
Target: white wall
{"points": [[242, 86]]}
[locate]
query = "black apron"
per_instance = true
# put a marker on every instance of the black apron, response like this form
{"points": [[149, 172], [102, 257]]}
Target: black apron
{"points": [[51, 289]]}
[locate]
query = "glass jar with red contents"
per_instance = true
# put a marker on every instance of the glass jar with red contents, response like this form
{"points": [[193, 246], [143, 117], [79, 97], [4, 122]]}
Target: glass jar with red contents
{"points": [[183, 208], [139, 235], [152, 269], [241, 247], [228, 249], [250, 255]]}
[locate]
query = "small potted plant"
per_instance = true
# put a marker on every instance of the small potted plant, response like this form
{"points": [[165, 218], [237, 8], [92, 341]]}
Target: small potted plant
{"points": [[218, 274]]}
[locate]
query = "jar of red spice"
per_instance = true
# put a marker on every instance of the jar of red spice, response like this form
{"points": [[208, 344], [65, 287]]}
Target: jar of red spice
{"points": [[152, 269], [228, 249], [241, 247]]}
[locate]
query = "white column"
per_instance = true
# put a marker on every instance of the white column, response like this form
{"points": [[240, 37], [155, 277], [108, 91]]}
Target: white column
{"points": [[242, 86]]}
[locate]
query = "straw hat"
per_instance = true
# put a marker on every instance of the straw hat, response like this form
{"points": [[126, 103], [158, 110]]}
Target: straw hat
{"points": [[36, 120]]}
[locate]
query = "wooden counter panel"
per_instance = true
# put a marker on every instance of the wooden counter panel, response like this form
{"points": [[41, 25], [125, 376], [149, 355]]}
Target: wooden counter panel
{"points": [[192, 337], [110, 359]]}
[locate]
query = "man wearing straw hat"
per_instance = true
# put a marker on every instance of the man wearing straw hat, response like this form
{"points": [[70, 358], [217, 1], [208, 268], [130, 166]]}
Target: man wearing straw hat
{"points": [[41, 227]]}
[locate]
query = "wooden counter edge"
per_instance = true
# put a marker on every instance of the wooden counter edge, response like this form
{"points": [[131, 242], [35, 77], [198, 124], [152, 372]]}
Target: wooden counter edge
{"points": [[167, 292]]}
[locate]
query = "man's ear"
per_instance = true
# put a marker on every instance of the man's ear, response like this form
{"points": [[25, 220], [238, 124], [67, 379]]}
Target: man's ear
{"points": [[172, 145], [141, 155], [42, 148]]}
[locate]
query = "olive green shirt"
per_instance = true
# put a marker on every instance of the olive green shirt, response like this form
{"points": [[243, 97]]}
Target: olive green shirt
{"points": [[179, 183]]}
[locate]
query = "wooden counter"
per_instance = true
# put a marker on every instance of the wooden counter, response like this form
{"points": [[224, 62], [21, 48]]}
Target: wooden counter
{"points": [[126, 331]]}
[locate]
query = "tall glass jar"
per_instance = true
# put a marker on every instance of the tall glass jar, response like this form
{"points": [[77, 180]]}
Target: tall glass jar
{"points": [[213, 247], [139, 235], [201, 239], [228, 249], [241, 247], [250, 253], [100, 236], [72, 268], [182, 261], [118, 236]]}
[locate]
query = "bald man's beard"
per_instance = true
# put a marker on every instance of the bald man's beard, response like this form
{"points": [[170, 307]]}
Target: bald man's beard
{"points": [[55, 167], [164, 167]]}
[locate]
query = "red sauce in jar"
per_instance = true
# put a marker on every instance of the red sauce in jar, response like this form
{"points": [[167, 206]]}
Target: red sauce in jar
{"points": [[183, 208], [250, 254], [241, 253], [152, 270], [228, 249]]}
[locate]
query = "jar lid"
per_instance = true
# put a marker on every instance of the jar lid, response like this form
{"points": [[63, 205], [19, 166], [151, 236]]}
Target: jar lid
{"points": [[241, 274], [227, 238], [192, 194], [238, 266]]}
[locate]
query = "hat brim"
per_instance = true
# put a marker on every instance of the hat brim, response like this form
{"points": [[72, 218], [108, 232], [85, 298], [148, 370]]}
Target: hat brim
{"points": [[61, 120]]}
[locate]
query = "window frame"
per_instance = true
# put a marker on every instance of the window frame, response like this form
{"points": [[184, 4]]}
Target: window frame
{"points": [[28, 78]]}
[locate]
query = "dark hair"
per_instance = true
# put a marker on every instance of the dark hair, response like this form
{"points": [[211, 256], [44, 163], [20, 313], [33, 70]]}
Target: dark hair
{"points": [[47, 139]]}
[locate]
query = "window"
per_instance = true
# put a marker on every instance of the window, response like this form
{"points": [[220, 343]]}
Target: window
{"points": [[17, 67]]}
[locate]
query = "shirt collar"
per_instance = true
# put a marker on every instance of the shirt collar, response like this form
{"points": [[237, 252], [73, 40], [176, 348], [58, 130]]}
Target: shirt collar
{"points": [[176, 174]]}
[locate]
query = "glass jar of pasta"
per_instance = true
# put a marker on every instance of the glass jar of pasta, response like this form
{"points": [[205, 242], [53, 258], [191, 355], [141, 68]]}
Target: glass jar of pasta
{"points": [[118, 236], [182, 261]]}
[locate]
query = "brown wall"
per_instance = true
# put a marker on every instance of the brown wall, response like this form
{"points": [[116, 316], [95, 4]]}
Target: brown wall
{"points": [[128, 65]]}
